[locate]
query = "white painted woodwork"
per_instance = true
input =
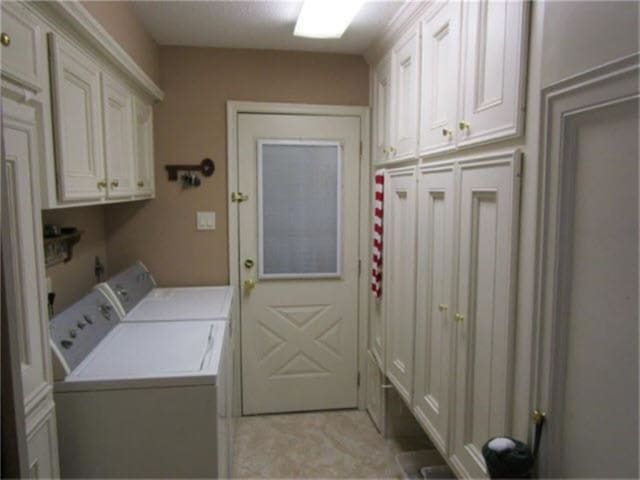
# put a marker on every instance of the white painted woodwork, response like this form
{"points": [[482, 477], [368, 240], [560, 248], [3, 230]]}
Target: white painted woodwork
{"points": [[143, 148], [20, 60], [434, 319], [405, 64], [118, 138], [382, 104], [589, 310], [42, 447], [77, 122], [440, 50], [485, 298], [299, 338], [377, 331], [23, 263], [375, 394], [399, 276], [493, 66]]}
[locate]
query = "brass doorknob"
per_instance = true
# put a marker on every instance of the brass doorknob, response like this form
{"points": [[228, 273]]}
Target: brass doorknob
{"points": [[5, 39], [248, 263], [115, 183], [249, 284]]}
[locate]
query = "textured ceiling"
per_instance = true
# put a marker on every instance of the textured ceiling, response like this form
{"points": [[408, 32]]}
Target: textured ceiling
{"points": [[255, 24]]}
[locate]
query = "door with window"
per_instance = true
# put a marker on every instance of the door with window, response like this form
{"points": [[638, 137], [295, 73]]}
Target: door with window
{"points": [[298, 245]]}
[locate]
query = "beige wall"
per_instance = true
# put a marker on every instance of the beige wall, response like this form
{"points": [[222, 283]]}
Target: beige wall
{"points": [[74, 279], [190, 125], [118, 18]]}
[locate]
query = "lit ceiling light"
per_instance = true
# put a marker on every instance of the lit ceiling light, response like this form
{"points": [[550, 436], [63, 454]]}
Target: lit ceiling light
{"points": [[326, 18]]}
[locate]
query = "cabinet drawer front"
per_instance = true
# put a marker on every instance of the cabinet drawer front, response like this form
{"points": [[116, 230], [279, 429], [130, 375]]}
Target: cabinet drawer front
{"points": [[399, 276], [492, 70], [434, 319], [439, 78], [77, 122], [118, 138], [485, 306], [21, 58], [143, 139], [404, 126]]}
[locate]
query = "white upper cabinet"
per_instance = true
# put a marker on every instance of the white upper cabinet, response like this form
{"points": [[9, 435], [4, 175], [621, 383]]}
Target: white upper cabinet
{"points": [[439, 77], [77, 122], [399, 276], [484, 311], [143, 141], [493, 65], [382, 114], [118, 138], [434, 326], [405, 71]]}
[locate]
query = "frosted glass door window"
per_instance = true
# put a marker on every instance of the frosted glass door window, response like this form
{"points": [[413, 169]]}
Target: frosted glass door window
{"points": [[299, 209]]}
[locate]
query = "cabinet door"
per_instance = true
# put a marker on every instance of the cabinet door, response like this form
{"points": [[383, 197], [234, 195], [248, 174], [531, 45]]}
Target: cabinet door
{"points": [[143, 136], [439, 78], [42, 448], [404, 126], [23, 263], [21, 58], [374, 392], [77, 122], [399, 276], [118, 138], [382, 109], [434, 325], [493, 65], [485, 306]]}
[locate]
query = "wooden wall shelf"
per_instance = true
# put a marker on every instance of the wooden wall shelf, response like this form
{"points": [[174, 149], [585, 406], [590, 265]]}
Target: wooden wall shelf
{"points": [[60, 249]]}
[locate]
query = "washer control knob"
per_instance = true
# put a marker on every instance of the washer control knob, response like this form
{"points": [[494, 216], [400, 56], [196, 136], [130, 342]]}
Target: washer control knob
{"points": [[73, 333], [81, 325], [87, 318], [66, 344]]}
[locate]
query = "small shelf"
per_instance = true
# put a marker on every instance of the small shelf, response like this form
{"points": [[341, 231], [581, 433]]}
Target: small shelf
{"points": [[60, 249]]}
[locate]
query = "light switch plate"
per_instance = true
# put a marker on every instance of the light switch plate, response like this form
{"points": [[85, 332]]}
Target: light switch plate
{"points": [[206, 220]]}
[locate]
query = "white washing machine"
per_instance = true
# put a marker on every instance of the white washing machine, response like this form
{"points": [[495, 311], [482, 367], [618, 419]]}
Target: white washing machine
{"points": [[139, 399], [138, 299]]}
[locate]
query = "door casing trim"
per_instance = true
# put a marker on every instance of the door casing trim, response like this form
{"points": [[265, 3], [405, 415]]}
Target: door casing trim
{"points": [[234, 109]]}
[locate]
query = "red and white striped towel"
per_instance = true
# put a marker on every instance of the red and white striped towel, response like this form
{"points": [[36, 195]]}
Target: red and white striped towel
{"points": [[376, 261]]}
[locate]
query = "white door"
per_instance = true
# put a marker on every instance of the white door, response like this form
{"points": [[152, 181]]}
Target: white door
{"points": [[77, 122], [143, 148], [404, 100], [439, 78], [382, 114], [399, 275], [118, 138], [493, 66], [484, 311], [591, 276], [298, 261], [434, 325]]}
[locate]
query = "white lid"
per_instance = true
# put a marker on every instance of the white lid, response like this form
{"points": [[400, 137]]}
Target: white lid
{"points": [[188, 303], [152, 354]]}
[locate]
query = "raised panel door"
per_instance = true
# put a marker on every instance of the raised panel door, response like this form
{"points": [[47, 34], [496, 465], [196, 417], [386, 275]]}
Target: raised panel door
{"points": [[382, 109], [434, 324], [399, 276], [440, 50], [143, 151], [485, 306], [374, 392], [77, 122], [493, 70], [42, 448], [405, 71], [118, 138]]}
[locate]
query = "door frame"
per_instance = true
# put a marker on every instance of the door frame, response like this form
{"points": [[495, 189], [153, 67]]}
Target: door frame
{"points": [[234, 109]]}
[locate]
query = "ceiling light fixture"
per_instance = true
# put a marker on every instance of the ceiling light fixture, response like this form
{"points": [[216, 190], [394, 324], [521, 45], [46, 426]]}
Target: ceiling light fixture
{"points": [[326, 18]]}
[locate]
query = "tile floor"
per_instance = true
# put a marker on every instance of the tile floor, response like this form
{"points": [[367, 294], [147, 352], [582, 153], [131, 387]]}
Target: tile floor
{"points": [[338, 444]]}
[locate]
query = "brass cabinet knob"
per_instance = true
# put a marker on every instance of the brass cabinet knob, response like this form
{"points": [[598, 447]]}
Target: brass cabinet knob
{"points": [[102, 184], [115, 183], [458, 317], [248, 263], [447, 133], [249, 284], [443, 307], [5, 39], [141, 183], [392, 150], [464, 125]]}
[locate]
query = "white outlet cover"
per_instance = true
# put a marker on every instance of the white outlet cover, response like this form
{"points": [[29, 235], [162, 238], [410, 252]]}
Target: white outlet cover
{"points": [[206, 220]]}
